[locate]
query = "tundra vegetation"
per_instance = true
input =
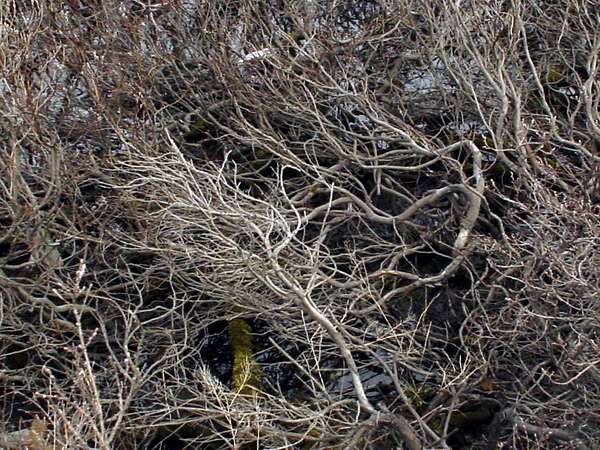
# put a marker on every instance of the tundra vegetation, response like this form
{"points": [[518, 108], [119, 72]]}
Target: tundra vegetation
{"points": [[299, 224]]}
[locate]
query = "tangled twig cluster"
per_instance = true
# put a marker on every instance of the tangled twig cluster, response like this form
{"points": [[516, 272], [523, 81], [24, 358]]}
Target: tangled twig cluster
{"points": [[396, 199]]}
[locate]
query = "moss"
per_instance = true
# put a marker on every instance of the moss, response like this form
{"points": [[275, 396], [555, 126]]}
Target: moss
{"points": [[198, 126], [419, 396], [315, 435], [246, 372], [262, 153], [554, 74], [482, 140], [197, 130]]}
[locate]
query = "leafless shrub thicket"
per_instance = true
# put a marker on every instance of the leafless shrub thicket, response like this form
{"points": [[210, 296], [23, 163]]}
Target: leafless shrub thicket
{"points": [[399, 197]]}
